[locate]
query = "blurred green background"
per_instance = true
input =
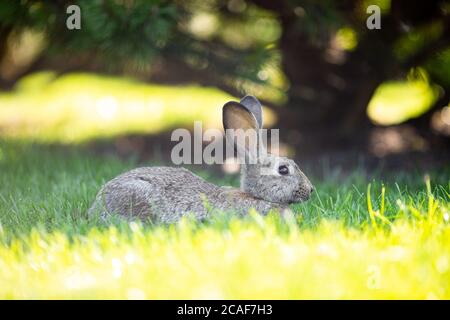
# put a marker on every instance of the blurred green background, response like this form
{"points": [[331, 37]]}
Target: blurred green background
{"points": [[136, 70], [365, 113]]}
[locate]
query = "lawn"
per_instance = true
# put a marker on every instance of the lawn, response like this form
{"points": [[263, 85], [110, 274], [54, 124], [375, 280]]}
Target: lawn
{"points": [[78, 107], [394, 243]]}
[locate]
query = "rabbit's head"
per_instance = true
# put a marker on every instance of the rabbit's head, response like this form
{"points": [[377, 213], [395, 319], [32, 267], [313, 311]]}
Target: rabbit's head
{"points": [[263, 175]]}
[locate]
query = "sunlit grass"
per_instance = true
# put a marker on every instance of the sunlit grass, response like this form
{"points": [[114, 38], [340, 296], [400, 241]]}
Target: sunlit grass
{"points": [[261, 258], [78, 107], [390, 242], [252, 258], [396, 102]]}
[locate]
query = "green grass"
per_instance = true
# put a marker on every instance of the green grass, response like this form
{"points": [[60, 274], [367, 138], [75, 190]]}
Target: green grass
{"points": [[397, 101], [78, 107], [335, 246]]}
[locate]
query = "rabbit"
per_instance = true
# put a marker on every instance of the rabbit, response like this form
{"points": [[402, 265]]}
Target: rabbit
{"points": [[166, 194]]}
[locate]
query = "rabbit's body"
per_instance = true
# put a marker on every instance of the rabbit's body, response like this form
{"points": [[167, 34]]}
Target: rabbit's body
{"points": [[166, 194]]}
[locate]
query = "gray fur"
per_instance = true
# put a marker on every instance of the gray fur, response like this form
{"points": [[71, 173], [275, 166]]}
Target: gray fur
{"points": [[253, 105], [166, 194]]}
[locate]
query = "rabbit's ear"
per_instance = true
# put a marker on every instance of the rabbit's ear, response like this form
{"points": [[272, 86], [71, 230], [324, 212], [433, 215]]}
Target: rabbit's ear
{"points": [[254, 106], [236, 116], [242, 130]]}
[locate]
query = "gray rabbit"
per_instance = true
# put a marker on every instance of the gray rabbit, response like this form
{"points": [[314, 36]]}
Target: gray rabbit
{"points": [[166, 194]]}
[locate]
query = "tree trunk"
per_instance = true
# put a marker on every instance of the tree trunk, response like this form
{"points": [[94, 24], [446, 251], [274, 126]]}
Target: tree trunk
{"points": [[5, 31], [331, 94]]}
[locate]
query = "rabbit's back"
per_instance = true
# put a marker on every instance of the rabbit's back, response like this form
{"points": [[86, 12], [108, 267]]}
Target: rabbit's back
{"points": [[162, 194], [165, 194]]}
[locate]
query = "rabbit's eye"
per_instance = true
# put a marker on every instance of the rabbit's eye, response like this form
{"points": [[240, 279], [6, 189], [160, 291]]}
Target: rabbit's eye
{"points": [[283, 170]]}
